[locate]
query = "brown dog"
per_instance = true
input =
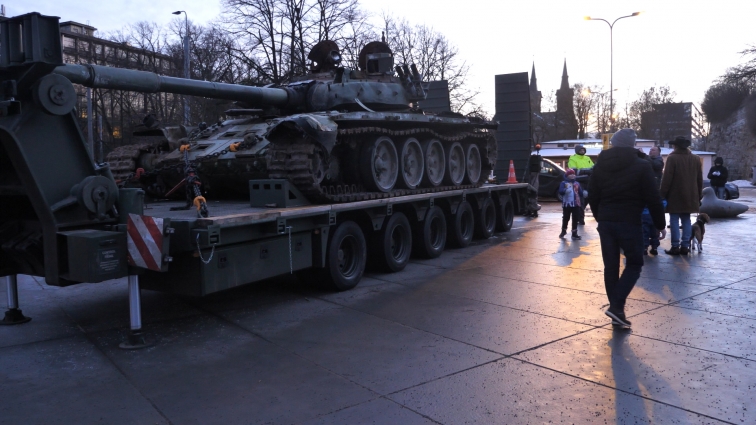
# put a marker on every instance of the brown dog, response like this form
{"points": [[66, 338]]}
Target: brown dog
{"points": [[697, 232]]}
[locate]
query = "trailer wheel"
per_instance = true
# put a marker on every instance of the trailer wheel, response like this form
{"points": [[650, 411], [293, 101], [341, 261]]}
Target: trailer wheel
{"points": [[462, 226], [430, 235], [393, 244], [485, 225], [506, 215], [346, 256]]}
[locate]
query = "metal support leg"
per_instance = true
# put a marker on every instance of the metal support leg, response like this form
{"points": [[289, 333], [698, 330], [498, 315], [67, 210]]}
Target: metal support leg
{"points": [[136, 338], [13, 316]]}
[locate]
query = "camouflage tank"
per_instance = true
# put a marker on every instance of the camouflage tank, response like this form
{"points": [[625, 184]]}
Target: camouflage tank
{"points": [[337, 134]]}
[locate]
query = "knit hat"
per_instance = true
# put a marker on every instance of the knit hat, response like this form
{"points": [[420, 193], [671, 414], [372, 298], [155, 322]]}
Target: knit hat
{"points": [[719, 161], [569, 172], [624, 138]]}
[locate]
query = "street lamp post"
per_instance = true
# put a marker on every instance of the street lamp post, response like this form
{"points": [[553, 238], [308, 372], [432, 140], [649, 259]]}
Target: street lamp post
{"points": [[186, 61], [611, 60]]}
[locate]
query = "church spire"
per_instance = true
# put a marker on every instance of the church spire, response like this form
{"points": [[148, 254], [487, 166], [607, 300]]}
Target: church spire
{"points": [[533, 80], [565, 82]]}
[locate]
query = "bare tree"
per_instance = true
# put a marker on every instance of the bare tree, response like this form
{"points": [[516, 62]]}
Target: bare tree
{"points": [[745, 72], [258, 29], [634, 110], [602, 111], [436, 59], [273, 37], [583, 102]]}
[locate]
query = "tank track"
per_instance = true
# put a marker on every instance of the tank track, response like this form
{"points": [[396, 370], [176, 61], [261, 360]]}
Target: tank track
{"points": [[123, 160], [292, 161]]}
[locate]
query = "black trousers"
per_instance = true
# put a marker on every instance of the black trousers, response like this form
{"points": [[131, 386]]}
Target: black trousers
{"points": [[575, 212], [628, 238]]}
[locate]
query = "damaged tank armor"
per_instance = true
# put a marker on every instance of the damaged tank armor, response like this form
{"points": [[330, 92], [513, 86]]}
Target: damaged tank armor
{"points": [[337, 134]]}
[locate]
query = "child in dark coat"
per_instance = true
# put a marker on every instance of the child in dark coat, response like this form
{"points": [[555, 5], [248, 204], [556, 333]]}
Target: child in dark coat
{"points": [[572, 202], [650, 234]]}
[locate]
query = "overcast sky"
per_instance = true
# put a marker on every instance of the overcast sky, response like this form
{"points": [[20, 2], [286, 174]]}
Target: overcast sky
{"points": [[682, 44]]}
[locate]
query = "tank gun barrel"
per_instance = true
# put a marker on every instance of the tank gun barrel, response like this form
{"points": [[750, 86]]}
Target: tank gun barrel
{"points": [[97, 76]]}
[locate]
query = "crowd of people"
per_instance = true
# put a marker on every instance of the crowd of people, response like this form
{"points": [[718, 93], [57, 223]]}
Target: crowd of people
{"points": [[630, 192]]}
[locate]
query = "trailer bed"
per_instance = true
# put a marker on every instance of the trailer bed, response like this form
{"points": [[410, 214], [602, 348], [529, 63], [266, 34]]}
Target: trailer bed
{"points": [[235, 213]]}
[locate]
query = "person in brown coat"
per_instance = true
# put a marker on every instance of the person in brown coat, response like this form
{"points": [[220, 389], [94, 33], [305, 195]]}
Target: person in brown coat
{"points": [[681, 186]]}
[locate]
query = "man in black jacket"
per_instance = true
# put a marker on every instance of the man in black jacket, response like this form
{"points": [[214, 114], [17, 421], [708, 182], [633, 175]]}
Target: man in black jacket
{"points": [[622, 185]]}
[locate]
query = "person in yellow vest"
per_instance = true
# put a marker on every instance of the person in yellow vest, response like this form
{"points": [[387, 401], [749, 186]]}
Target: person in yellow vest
{"points": [[580, 160]]}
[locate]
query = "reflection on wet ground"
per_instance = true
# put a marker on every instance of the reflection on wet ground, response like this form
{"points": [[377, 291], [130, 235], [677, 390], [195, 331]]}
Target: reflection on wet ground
{"points": [[510, 330]]}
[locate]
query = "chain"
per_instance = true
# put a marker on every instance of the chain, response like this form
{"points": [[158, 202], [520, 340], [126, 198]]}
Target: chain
{"points": [[291, 263], [192, 139], [199, 251]]}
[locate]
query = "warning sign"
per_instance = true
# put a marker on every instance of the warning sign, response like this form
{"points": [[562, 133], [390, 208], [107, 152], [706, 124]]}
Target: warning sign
{"points": [[145, 241]]}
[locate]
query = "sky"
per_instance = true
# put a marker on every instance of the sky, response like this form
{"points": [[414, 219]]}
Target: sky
{"points": [[685, 45]]}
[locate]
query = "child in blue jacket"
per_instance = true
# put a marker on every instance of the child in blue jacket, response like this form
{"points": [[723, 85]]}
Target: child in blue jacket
{"points": [[572, 202]]}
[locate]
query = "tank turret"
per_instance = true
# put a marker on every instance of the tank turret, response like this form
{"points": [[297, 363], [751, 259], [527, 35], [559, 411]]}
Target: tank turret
{"points": [[336, 133]]}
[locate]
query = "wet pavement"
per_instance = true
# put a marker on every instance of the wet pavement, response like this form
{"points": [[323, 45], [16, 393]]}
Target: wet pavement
{"points": [[507, 331]]}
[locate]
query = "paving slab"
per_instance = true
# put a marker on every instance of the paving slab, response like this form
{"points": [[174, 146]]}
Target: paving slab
{"points": [[68, 381], [513, 392], [48, 322], [105, 305], [710, 331], [481, 324], [646, 289], [579, 306], [203, 370], [748, 284], [726, 301], [377, 411], [378, 354], [706, 383]]}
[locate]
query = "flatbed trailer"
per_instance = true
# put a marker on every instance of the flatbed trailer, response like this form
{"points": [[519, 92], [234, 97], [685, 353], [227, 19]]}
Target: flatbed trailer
{"points": [[239, 244]]}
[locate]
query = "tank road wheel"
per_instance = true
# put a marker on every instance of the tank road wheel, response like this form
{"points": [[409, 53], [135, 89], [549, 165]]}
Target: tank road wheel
{"points": [[505, 215], [345, 257], [393, 244], [435, 164], [455, 165], [430, 234], [474, 164], [485, 223], [462, 226], [380, 165], [411, 164]]}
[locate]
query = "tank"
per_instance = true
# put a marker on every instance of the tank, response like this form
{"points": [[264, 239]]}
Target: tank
{"points": [[337, 134]]}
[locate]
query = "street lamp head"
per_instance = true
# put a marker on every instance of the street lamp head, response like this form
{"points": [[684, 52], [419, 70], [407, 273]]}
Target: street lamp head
{"points": [[178, 12], [587, 18], [636, 13]]}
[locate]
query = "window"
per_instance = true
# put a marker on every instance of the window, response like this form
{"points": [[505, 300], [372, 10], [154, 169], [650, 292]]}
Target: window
{"points": [[83, 46], [69, 42]]}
